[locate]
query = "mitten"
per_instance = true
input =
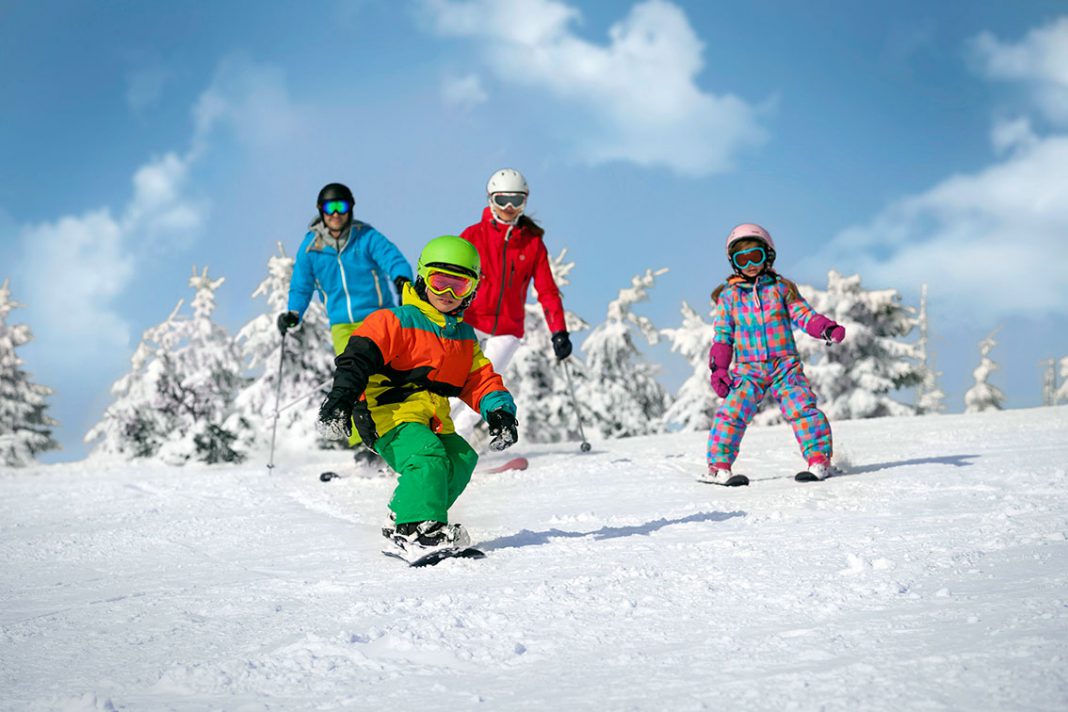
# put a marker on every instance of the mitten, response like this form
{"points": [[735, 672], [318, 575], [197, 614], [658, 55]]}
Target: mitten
{"points": [[719, 360], [335, 414], [561, 345], [502, 429], [286, 321]]}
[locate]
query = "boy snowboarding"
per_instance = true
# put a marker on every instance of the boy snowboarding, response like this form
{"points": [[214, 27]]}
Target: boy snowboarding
{"points": [[408, 361]]}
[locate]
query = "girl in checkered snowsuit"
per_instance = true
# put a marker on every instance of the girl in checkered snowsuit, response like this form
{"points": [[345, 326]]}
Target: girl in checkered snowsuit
{"points": [[756, 312]]}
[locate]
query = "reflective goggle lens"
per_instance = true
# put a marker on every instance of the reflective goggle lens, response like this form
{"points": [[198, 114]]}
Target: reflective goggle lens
{"points": [[503, 200], [752, 256], [441, 282], [336, 206]]}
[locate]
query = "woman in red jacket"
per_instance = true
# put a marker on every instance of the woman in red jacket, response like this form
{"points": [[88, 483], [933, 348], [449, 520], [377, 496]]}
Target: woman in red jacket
{"points": [[513, 254]]}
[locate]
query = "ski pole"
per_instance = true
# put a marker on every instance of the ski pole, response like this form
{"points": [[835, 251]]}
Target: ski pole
{"points": [[277, 398], [585, 447]]}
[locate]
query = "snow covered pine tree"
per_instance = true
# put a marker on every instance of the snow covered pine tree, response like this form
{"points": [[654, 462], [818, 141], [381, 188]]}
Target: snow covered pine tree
{"points": [[536, 379], [1061, 394], [620, 391], [695, 403], [25, 429], [175, 401], [855, 379], [983, 395], [308, 366], [929, 397]]}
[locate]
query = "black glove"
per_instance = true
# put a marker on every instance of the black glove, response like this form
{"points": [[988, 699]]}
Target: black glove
{"points": [[287, 320], [561, 345], [399, 283], [502, 429], [365, 424], [335, 414]]}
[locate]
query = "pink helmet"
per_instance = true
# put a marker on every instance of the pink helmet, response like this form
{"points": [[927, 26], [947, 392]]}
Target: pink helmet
{"points": [[749, 231]]}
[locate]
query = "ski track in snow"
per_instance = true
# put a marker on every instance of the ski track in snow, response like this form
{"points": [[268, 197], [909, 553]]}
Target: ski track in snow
{"points": [[934, 576]]}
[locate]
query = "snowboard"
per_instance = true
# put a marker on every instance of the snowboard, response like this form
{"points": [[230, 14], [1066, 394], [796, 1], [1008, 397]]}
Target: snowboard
{"points": [[432, 558], [734, 481], [516, 463]]}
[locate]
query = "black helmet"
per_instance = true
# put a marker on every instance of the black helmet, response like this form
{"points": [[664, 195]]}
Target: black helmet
{"points": [[335, 191]]}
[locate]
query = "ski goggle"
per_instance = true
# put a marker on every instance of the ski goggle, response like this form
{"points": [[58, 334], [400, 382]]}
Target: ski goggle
{"points": [[515, 200], [335, 206], [441, 282], [752, 256]]}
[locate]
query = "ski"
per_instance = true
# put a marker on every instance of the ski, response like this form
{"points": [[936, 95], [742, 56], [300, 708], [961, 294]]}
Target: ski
{"points": [[732, 481], [806, 476], [516, 463]]}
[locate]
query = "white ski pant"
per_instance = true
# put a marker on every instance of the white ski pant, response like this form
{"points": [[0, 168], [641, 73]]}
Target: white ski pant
{"points": [[499, 350]]}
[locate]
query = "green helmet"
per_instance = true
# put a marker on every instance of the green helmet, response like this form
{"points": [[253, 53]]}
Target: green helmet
{"points": [[450, 251]]}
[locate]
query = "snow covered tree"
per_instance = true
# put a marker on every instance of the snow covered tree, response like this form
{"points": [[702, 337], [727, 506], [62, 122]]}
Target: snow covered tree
{"points": [[25, 429], [536, 379], [695, 403], [929, 397], [177, 398], [308, 364], [620, 393], [855, 379], [984, 396], [1049, 382], [1061, 394]]}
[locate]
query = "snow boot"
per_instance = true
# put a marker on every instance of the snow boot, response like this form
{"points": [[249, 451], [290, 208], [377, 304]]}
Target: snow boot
{"points": [[719, 475], [424, 536], [820, 470]]}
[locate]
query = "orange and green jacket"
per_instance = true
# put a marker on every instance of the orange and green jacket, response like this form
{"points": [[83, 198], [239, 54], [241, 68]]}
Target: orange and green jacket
{"points": [[409, 360]]}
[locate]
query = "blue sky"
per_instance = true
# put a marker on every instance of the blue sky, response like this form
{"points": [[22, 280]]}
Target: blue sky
{"points": [[911, 141]]}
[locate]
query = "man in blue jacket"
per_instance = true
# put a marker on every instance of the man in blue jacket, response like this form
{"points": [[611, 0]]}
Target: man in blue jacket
{"points": [[350, 264]]}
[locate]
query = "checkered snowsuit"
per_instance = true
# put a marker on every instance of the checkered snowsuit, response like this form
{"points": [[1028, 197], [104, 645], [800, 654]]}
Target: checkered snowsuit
{"points": [[756, 320]]}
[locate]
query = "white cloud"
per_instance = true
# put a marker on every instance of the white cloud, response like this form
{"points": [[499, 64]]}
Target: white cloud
{"points": [[989, 244], [992, 244], [639, 89], [75, 268], [463, 92], [1040, 61], [251, 101], [1011, 134]]}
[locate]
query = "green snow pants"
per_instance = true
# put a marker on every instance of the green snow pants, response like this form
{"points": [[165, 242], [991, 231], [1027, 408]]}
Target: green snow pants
{"points": [[434, 469]]}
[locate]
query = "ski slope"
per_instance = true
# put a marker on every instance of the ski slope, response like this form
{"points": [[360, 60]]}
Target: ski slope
{"points": [[933, 577]]}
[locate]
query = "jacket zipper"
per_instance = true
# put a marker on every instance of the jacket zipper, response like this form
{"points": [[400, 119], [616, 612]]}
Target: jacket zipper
{"points": [[760, 316], [504, 279], [344, 282], [378, 289]]}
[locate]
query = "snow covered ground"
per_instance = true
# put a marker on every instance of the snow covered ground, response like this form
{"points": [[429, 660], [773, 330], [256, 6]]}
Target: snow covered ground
{"points": [[934, 576]]}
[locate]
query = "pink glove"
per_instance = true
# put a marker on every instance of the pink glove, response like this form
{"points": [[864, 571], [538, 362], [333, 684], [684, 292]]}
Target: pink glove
{"points": [[719, 360], [820, 327]]}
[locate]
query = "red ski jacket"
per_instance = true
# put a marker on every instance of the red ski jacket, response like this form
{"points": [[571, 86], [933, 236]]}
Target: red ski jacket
{"points": [[511, 257]]}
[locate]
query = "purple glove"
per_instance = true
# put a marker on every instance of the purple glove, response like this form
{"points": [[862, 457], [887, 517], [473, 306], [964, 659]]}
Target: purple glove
{"points": [[719, 360], [820, 327]]}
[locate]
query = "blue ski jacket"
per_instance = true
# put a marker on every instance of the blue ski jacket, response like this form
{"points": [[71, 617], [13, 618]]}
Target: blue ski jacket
{"points": [[351, 283]]}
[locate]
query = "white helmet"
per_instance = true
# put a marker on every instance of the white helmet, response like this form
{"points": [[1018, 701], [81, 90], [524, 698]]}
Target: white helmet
{"points": [[507, 180]]}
